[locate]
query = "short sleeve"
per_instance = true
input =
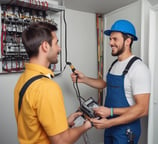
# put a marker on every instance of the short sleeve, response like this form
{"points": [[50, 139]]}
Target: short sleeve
{"points": [[51, 110], [140, 78]]}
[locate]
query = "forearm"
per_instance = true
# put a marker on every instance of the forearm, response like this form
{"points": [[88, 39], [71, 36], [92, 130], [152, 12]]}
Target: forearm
{"points": [[70, 135], [132, 113], [120, 111], [73, 134], [127, 115], [95, 83]]}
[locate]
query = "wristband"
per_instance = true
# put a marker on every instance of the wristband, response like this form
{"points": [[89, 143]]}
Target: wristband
{"points": [[111, 112]]}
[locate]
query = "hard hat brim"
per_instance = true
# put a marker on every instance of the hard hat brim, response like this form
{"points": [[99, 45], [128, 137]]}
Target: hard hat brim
{"points": [[108, 33]]}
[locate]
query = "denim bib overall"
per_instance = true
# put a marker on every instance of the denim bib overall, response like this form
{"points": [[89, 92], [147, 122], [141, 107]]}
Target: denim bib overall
{"points": [[116, 99]]}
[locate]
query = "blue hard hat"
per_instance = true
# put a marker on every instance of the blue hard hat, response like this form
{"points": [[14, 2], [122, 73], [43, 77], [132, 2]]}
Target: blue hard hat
{"points": [[123, 26]]}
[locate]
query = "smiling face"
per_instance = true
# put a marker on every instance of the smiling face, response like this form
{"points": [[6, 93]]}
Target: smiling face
{"points": [[117, 43]]}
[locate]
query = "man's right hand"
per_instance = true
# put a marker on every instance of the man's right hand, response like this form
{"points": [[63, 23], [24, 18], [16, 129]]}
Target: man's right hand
{"points": [[79, 75]]}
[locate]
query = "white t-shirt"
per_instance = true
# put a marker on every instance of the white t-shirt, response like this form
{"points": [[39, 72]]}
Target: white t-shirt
{"points": [[137, 80]]}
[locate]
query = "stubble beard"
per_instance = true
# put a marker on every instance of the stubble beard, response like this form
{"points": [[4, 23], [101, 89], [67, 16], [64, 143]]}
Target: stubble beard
{"points": [[120, 51]]}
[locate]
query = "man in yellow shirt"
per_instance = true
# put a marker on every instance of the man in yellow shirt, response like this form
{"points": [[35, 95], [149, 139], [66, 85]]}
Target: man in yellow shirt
{"points": [[42, 118]]}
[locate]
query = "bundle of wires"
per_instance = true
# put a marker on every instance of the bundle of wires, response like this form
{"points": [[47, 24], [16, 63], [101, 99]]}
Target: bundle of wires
{"points": [[80, 99]]}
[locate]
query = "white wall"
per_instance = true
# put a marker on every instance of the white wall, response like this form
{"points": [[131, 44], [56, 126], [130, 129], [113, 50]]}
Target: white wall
{"points": [[144, 42], [82, 52], [132, 13], [153, 126], [8, 131], [155, 111]]}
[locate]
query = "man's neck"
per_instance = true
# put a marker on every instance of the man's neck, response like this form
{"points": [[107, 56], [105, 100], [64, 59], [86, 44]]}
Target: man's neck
{"points": [[39, 62], [124, 56]]}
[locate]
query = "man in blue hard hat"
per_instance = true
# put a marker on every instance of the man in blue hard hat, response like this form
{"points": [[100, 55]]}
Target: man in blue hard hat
{"points": [[127, 88]]}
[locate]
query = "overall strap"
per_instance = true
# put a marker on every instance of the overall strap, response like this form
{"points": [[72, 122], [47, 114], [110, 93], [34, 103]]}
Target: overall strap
{"points": [[112, 65], [129, 64], [25, 86]]}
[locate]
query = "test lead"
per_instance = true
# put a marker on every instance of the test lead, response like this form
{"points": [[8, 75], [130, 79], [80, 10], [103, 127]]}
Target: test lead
{"points": [[71, 66]]}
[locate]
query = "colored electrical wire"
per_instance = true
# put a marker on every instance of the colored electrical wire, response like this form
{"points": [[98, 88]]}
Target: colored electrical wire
{"points": [[46, 5], [76, 88], [75, 84], [2, 43]]}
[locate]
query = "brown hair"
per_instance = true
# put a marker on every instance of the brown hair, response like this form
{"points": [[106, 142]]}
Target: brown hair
{"points": [[35, 34]]}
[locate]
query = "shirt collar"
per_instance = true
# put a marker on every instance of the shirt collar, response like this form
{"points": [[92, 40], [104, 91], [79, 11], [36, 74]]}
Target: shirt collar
{"points": [[39, 69]]}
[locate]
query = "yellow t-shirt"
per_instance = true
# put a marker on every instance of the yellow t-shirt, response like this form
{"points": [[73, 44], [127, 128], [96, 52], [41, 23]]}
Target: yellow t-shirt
{"points": [[42, 112]]}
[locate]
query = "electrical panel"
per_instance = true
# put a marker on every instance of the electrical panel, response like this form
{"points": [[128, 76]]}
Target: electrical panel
{"points": [[15, 16]]}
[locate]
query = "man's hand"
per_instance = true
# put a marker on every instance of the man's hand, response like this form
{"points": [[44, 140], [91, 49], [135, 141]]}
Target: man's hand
{"points": [[72, 117], [79, 75], [101, 123], [102, 111]]}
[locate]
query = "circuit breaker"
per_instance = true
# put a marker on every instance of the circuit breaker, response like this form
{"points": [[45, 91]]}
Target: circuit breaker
{"points": [[15, 16]]}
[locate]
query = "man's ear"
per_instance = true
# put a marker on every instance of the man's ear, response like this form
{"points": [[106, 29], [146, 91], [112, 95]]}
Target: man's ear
{"points": [[128, 41], [45, 46]]}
